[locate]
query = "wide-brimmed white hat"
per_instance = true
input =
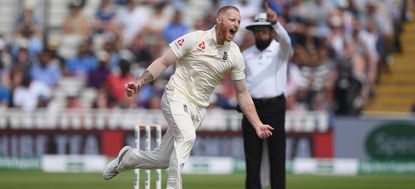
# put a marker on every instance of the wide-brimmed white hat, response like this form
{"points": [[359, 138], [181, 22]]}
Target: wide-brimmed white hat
{"points": [[260, 20]]}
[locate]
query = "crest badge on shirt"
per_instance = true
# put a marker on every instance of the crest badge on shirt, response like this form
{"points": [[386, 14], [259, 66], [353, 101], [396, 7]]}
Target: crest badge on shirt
{"points": [[179, 43]]}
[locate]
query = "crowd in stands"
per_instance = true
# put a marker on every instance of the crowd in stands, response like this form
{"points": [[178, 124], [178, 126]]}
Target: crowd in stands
{"points": [[340, 47]]}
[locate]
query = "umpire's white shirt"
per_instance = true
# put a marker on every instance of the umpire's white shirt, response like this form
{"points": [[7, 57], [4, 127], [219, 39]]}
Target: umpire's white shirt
{"points": [[202, 63], [266, 71]]}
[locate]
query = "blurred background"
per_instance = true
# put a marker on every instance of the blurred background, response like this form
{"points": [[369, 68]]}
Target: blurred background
{"points": [[64, 63]]}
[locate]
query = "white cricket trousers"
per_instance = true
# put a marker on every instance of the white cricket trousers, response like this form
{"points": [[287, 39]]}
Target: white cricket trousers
{"points": [[183, 118]]}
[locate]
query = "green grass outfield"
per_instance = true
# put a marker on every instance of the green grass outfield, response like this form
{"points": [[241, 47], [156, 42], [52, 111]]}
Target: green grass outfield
{"points": [[40, 180]]}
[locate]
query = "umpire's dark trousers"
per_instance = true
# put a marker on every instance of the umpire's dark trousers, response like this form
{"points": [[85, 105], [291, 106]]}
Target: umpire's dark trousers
{"points": [[271, 111]]}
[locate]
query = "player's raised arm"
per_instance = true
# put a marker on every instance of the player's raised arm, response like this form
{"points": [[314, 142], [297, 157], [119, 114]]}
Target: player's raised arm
{"points": [[152, 72]]}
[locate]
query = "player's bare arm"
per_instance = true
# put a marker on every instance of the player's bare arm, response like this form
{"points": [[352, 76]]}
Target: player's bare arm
{"points": [[152, 72], [248, 108]]}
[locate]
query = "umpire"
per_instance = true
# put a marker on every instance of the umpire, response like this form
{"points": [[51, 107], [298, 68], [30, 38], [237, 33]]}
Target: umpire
{"points": [[266, 76]]}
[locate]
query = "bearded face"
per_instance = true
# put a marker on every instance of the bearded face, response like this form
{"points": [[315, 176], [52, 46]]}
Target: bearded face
{"points": [[263, 36]]}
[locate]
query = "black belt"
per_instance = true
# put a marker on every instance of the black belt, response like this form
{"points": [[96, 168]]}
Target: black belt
{"points": [[267, 100]]}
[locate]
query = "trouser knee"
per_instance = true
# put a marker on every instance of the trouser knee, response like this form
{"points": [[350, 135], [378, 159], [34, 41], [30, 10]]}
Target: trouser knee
{"points": [[189, 139]]}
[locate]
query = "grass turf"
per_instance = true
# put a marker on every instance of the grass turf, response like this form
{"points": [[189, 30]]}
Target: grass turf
{"points": [[40, 180]]}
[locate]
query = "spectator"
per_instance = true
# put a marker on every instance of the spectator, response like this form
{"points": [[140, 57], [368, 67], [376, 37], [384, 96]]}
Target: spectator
{"points": [[111, 46], [318, 12], [348, 88], [176, 28], [28, 20], [346, 19], [4, 89], [377, 11], [76, 23], [103, 100], [45, 71], [74, 104], [337, 38], [133, 20], [352, 6], [248, 11], [30, 94], [55, 58], [154, 103], [97, 78], [158, 21], [204, 23], [225, 98], [369, 37], [144, 96], [28, 39], [4, 96], [180, 5], [23, 61], [105, 18], [141, 52], [75, 29], [5, 58], [149, 97], [116, 84], [81, 64], [121, 2], [294, 81]]}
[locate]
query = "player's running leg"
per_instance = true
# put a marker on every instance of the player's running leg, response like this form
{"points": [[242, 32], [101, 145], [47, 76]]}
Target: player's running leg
{"points": [[131, 158]]}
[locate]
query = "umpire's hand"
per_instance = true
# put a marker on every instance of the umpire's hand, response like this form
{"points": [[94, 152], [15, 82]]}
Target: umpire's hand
{"points": [[271, 15]]}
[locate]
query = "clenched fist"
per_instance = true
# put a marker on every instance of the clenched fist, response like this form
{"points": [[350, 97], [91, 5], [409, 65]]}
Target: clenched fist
{"points": [[131, 88]]}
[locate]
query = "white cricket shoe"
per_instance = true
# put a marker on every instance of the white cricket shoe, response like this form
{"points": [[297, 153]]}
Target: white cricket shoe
{"points": [[110, 170]]}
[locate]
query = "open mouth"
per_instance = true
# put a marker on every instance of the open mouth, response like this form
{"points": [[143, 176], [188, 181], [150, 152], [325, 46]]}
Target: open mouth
{"points": [[233, 31]]}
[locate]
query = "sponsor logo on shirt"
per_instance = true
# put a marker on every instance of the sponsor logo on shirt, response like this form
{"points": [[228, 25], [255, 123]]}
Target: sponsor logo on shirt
{"points": [[180, 42], [225, 56], [202, 45]]}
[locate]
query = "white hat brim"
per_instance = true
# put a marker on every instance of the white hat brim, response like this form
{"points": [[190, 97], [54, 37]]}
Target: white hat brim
{"points": [[255, 24]]}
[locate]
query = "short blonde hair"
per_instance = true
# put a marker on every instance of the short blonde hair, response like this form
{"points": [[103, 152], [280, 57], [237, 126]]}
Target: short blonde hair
{"points": [[223, 9]]}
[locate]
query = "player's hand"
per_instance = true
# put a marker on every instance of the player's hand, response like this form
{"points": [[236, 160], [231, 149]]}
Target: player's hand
{"points": [[263, 131], [131, 88], [271, 15]]}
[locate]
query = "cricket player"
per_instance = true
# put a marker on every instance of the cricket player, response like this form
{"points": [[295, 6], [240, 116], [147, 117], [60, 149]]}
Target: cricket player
{"points": [[203, 57]]}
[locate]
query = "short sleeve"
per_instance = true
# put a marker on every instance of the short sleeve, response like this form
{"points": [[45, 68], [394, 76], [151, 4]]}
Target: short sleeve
{"points": [[238, 66], [183, 44]]}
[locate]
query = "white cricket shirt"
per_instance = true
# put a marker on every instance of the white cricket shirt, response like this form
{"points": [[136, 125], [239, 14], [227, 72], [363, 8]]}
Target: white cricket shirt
{"points": [[202, 63], [266, 71]]}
